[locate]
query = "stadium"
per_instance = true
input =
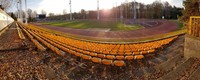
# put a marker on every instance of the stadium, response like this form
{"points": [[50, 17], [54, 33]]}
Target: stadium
{"points": [[126, 44]]}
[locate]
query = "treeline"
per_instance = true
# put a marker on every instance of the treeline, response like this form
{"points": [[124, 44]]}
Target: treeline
{"points": [[156, 10], [192, 8]]}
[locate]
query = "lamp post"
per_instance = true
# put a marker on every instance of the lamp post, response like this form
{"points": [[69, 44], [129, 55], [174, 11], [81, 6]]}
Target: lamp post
{"points": [[121, 13], [134, 11], [70, 5], [126, 8], [17, 9], [26, 15], [116, 11], [98, 10], [138, 7], [20, 11]]}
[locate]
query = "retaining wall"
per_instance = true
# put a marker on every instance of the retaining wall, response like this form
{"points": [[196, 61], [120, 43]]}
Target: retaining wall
{"points": [[192, 47], [5, 19]]}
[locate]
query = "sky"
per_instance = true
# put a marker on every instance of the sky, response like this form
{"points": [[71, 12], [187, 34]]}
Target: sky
{"points": [[57, 6]]}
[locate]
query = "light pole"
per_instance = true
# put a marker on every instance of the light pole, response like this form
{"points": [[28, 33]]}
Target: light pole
{"points": [[17, 9], [70, 5], [126, 8], [121, 13], [134, 11], [138, 7], [26, 15], [98, 10], [20, 11], [116, 11]]}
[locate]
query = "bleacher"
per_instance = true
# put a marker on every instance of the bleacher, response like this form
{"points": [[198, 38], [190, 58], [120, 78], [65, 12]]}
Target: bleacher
{"points": [[116, 54]]}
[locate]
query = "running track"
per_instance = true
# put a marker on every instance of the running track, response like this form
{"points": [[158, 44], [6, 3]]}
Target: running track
{"points": [[165, 27]]}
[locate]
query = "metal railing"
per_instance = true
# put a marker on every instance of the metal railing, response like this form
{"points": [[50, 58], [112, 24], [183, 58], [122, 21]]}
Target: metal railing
{"points": [[194, 26]]}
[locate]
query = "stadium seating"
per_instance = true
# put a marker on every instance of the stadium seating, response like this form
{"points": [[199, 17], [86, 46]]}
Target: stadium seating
{"points": [[119, 63], [104, 53]]}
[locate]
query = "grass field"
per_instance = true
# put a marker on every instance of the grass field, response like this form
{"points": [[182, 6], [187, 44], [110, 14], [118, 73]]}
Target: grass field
{"points": [[180, 24], [118, 41], [85, 24]]}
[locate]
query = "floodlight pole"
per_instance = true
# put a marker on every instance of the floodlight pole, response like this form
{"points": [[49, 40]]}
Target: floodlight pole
{"points": [[26, 15], [113, 10], [17, 9], [121, 13], [70, 5], [116, 11], [20, 11], [98, 10], [126, 8], [134, 11]]}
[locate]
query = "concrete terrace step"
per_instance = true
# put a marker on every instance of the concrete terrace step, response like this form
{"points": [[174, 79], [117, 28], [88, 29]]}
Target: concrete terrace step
{"points": [[164, 61], [164, 66], [181, 71], [170, 63], [195, 75]]}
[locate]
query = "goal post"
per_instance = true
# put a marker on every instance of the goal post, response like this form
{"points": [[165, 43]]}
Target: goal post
{"points": [[194, 26]]}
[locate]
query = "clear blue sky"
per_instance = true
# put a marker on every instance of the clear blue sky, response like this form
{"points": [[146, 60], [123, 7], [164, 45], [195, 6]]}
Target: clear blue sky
{"points": [[57, 6]]}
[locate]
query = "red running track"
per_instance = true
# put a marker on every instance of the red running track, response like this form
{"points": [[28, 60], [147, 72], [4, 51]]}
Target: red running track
{"points": [[165, 27]]}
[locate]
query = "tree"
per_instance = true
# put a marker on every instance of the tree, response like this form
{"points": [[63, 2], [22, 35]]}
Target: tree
{"points": [[29, 12], [34, 14], [167, 9], [83, 13], [13, 16], [64, 12], [6, 4], [51, 14], [157, 9], [192, 8], [43, 12]]}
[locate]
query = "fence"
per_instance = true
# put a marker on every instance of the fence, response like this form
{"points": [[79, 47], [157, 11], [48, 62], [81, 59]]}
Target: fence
{"points": [[194, 26]]}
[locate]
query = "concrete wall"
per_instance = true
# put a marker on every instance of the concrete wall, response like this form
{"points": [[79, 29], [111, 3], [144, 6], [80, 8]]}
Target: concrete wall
{"points": [[5, 19], [192, 47]]}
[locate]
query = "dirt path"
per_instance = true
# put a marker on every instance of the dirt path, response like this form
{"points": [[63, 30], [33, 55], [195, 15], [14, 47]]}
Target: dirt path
{"points": [[165, 27]]}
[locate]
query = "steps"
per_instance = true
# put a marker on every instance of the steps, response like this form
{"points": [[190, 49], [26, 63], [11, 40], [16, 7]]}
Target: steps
{"points": [[182, 71], [195, 75]]}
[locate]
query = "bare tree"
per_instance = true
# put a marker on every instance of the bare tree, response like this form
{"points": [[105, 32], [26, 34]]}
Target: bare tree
{"points": [[64, 12], [29, 13], [6, 4], [51, 14], [43, 12], [83, 13], [34, 14]]}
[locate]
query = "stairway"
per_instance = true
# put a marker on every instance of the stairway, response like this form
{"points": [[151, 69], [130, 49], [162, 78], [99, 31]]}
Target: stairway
{"points": [[187, 70]]}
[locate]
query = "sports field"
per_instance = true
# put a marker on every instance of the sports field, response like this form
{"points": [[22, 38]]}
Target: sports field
{"points": [[100, 24]]}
